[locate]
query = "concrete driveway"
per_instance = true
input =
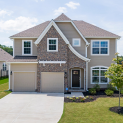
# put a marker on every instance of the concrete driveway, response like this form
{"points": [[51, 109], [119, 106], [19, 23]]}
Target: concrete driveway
{"points": [[31, 107]]}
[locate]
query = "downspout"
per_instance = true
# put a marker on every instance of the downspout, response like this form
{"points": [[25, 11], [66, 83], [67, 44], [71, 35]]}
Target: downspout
{"points": [[86, 75]]}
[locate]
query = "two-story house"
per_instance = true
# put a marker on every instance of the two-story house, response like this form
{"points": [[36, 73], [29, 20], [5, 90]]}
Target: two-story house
{"points": [[59, 54]]}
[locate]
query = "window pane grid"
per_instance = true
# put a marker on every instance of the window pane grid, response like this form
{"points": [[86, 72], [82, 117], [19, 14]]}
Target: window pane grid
{"points": [[52, 45], [100, 79], [27, 47], [100, 47]]}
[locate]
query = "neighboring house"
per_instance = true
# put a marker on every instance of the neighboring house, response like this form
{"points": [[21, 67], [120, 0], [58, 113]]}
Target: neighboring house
{"points": [[4, 57], [59, 54]]}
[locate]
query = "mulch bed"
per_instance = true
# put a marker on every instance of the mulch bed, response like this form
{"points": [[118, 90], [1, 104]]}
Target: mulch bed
{"points": [[79, 100], [102, 94], [97, 95], [117, 110]]}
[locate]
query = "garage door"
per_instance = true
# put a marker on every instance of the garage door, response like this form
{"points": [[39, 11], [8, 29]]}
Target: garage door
{"points": [[52, 82], [24, 81]]}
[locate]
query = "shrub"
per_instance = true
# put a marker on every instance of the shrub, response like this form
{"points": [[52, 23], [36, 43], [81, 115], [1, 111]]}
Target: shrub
{"points": [[70, 98], [92, 91], [110, 87], [77, 97], [97, 87], [109, 92], [87, 97], [91, 98], [73, 98], [82, 99]]}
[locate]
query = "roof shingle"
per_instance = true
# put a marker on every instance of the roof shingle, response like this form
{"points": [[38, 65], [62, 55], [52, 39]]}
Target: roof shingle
{"points": [[62, 17], [4, 56], [23, 59], [32, 32], [87, 30]]}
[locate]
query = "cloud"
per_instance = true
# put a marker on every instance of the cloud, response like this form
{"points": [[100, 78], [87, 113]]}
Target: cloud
{"points": [[60, 10], [19, 24], [4, 12], [72, 5]]}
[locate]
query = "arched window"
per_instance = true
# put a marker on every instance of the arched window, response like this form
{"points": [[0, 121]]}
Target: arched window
{"points": [[98, 75], [4, 66]]}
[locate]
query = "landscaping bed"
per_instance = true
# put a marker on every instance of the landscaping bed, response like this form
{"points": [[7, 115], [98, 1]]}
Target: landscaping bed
{"points": [[102, 94], [89, 97], [80, 99], [117, 110]]}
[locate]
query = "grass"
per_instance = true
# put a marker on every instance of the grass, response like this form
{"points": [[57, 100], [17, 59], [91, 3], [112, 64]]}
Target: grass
{"points": [[92, 112], [4, 85]]}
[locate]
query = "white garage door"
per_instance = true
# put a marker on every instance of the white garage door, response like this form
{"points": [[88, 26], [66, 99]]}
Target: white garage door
{"points": [[52, 82], [24, 82]]}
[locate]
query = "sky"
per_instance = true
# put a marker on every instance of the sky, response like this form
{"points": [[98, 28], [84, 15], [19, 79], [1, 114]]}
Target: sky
{"points": [[18, 15]]}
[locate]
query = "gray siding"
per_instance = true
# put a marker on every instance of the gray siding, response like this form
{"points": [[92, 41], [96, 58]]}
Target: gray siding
{"points": [[100, 60], [18, 47], [70, 32]]}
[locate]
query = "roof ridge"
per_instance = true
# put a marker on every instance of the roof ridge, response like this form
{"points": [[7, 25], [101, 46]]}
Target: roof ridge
{"points": [[62, 17]]}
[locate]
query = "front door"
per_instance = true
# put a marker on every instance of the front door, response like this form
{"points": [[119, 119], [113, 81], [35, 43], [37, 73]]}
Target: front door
{"points": [[75, 78]]}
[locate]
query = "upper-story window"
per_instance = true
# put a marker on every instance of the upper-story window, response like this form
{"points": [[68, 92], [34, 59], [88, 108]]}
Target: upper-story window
{"points": [[4, 66], [98, 75], [52, 44], [76, 42], [26, 47], [100, 47]]}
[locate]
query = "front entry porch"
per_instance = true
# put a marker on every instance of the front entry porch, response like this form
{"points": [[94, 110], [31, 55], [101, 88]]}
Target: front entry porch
{"points": [[76, 82]]}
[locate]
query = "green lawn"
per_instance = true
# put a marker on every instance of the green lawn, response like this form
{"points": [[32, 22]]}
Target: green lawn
{"points": [[4, 85], [92, 112]]}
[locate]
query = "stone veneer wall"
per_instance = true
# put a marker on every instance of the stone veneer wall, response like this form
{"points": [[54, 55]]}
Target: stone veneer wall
{"points": [[63, 54]]}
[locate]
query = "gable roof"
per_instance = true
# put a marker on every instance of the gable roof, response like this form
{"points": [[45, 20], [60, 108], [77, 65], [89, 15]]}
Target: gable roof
{"points": [[32, 32], [62, 17], [4, 56], [86, 29], [91, 31], [52, 23]]}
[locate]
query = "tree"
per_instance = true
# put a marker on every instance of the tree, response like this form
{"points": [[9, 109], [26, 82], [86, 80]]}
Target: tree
{"points": [[115, 73], [7, 49]]}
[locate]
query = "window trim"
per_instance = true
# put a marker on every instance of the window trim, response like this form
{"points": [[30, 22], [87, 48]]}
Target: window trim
{"points": [[99, 74], [79, 42], [4, 66], [56, 45], [99, 54], [23, 47]]}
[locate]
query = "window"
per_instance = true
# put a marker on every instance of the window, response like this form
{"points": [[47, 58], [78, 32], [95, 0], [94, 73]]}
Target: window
{"points": [[4, 66], [27, 47], [98, 75], [52, 44], [76, 42], [100, 47]]}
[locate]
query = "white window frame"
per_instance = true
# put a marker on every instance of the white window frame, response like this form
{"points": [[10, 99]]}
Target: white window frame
{"points": [[99, 48], [99, 74], [4, 66], [74, 40], [48, 44], [23, 47]]}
